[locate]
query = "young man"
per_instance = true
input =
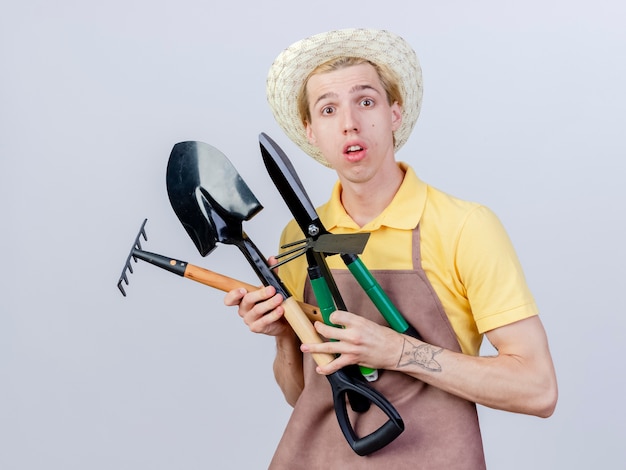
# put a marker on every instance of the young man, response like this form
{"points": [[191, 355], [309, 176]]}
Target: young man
{"points": [[447, 264]]}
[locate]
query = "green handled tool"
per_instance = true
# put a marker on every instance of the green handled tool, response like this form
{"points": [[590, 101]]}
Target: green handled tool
{"points": [[327, 306], [378, 296], [292, 190]]}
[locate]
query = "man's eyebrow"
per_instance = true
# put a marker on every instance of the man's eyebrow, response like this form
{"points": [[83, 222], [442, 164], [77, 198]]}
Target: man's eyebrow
{"points": [[354, 89], [330, 94], [363, 87]]}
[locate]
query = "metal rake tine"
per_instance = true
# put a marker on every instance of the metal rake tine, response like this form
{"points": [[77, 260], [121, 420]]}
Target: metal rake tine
{"points": [[286, 260], [142, 231], [124, 276], [119, 285], [294, 250], [304, 241], [301, 247], [128, 265]]}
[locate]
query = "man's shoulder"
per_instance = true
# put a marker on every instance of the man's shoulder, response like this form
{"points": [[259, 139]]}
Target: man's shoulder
{"points": [[446, 205], [443, 198]]}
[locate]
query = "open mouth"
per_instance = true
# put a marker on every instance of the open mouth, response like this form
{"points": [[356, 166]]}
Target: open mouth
{"points": [[353, 148], [354, 153]]}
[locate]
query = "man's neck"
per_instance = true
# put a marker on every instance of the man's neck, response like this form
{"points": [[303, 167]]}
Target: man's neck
{"points": [[365, 202]]}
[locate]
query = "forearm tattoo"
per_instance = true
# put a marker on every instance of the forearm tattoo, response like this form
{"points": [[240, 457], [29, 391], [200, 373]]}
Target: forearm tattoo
{"points": [[422, 355]]}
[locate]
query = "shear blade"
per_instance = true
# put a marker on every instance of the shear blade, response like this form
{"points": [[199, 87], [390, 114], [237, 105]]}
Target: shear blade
{"points": [[345, 243]]}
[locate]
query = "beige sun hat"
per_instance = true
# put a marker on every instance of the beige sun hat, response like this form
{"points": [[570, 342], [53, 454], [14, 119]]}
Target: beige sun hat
{"points": [[294, 64]]}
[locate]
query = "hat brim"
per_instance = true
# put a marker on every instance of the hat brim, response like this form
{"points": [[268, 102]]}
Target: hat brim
{"points": [[294, 64]]}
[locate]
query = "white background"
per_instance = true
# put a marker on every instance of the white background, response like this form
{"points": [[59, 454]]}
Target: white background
{"points": [[523, 111]]}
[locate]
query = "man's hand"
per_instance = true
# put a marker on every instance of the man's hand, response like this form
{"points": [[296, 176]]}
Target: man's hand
{"points": [[358, 341], [260, 310]]}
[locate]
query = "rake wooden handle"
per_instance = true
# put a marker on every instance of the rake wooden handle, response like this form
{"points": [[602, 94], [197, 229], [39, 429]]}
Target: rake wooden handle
{"points": [[226, 284], [300, 316]]}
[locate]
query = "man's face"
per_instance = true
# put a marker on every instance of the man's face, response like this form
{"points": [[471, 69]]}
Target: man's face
{"points": [[352, 122]]}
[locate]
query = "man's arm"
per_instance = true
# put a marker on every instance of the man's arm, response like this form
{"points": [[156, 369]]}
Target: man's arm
{"points": [[288, 367], [262, 312], [520, 378]]}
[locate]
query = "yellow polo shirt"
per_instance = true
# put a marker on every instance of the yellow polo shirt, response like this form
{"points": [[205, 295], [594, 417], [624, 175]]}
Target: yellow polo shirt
{"points": [[466, 254]]}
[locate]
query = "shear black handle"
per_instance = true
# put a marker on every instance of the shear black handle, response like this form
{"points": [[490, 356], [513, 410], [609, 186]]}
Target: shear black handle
{"points": [[345, 385], [341, 384]]}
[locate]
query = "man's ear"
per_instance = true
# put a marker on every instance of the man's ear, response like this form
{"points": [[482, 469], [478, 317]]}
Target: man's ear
{"points": [[396, 116], [310, 136]]}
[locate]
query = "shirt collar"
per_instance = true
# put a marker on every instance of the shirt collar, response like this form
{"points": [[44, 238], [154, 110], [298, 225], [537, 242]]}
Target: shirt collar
{"points": [[404, 211]]}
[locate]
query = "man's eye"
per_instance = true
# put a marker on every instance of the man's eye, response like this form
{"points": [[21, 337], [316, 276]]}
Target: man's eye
{"points": [[328, 110], [367, 102]]}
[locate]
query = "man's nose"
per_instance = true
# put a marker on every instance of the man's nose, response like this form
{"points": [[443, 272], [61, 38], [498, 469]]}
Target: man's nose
{"points": [[350, 121]]}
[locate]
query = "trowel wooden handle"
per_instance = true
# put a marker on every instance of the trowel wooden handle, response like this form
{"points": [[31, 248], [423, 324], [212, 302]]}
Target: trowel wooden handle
{"points": [[304, 329], [225, 283]]}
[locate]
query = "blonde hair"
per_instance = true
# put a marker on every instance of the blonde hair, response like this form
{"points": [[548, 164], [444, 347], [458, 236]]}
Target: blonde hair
{"points": [[388, 79]]}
